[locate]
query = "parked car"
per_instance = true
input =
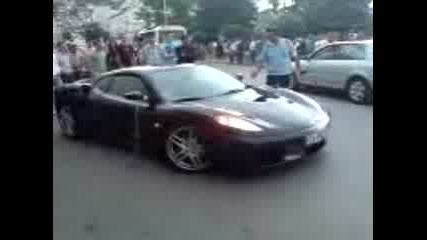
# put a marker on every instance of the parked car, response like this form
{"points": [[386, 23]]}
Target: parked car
{"points": [[199, 116], [346, 66]]}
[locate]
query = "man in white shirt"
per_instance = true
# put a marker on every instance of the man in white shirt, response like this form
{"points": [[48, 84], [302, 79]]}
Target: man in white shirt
{"points": [[56, 71], [233, 51], [277, 56], [153, 54], [98, 60], [64, 64], [56, 76], [252, 51]]}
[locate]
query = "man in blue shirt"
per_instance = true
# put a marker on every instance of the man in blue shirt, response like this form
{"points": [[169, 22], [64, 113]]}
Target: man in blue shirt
{"points": [[169, 51], [152, 54], [276, 56]]}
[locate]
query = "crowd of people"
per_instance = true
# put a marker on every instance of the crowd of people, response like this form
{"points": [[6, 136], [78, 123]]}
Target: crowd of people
{"points": [[246, 50], [238, 51], [72, 62]]}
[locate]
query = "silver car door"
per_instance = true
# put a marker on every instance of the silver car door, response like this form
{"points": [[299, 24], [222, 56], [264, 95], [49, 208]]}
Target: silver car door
{"points": [[349, 59], [318, 69]]}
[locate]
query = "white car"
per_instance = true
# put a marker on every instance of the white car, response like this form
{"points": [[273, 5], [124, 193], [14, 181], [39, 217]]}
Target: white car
{"points": [[346, 66]]}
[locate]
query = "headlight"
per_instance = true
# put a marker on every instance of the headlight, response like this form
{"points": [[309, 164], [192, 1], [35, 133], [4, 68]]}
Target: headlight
{"points": [[238, 123]]}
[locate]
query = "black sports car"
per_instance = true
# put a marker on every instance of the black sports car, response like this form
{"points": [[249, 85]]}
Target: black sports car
{"points": [[198, 115]]}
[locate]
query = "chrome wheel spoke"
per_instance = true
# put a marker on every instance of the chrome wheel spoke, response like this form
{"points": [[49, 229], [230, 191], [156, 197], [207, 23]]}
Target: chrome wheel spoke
{"points": [[178, 141], [181, 155], [185, 149], [195, 160]]}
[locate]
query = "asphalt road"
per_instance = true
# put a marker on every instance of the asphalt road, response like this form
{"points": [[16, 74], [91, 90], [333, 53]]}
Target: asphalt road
{"points": [[102, 192]]}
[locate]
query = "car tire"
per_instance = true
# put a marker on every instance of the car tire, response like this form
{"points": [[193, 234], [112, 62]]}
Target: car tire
{"points": [[68, 124], [185, 149], [358, 91]]}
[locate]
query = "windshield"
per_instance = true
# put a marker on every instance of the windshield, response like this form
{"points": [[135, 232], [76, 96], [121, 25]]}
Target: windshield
{"points": [[193, 82]]}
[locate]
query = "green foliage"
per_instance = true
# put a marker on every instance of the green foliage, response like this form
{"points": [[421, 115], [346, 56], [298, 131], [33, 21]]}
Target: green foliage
{"points": [[213, 16], [231, 31], [178, 12], [334, 15], [275, 4], [67, 36], [94, 31], [319, 16], [292, 24]]}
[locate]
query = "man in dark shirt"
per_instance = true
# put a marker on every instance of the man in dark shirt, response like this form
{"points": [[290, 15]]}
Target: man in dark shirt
{"points": [[126, 53], [187, 52]]}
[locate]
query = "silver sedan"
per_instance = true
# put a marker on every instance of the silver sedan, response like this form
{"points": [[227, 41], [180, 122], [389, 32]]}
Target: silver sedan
{"points": [[346, 66]]}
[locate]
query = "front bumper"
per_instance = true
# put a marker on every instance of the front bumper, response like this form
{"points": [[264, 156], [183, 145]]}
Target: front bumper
{"points": [[241, 152]]}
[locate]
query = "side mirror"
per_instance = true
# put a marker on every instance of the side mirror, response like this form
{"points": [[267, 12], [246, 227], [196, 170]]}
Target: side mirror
{"points": [[86, 88], [240, 77], [136, 96]]}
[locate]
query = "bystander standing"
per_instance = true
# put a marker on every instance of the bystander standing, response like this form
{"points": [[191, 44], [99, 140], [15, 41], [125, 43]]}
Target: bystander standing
{"points": [[63, 57], [98, 60], [277, 55]]}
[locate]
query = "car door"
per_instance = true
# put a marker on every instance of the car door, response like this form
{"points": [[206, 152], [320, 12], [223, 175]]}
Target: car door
{"points": [[97, 101], [119, 111], [331, 66], [318, 69], [350, 60]]}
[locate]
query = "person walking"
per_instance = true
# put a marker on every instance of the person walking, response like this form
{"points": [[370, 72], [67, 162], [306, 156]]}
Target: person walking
{"points": [[169, 51], [140, 53], [240, 52], [56, 77], [277, 56], [252, 51], [153, 54], [98, 60], [112, 57], [64, 64], [125, 53], [188, 51], [56, 70], [77, 61]]}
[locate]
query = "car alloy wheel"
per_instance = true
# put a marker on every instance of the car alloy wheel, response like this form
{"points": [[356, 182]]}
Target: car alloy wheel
{"points": [[358, 91], [67, 123], [185, 149]]}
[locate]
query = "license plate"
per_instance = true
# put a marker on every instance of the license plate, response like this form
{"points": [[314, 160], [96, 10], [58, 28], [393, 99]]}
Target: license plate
{"points": [[315, 138]]}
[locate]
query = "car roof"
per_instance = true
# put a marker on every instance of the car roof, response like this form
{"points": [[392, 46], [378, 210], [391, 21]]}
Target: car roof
{"points": [[352, 42], [148, 69]]}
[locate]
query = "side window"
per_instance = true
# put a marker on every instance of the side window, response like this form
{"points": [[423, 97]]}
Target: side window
{"points": [[352, 52], [327, 53], [103, 84], [123, 84]]}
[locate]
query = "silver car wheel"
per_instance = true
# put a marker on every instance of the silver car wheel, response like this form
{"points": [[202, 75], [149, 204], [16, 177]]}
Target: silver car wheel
{"points": [[357, 91], [185, 150], [67, 123]]}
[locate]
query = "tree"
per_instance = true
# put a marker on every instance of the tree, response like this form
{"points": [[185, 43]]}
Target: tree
{"points": [[212, 16], [231, 31], [94, 31], [178, 12], [334, 15], [275, 4], [292, 24], [71, 15]]}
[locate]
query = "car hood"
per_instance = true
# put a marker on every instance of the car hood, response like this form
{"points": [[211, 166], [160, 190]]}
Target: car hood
{"points": [[275, 113]]}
